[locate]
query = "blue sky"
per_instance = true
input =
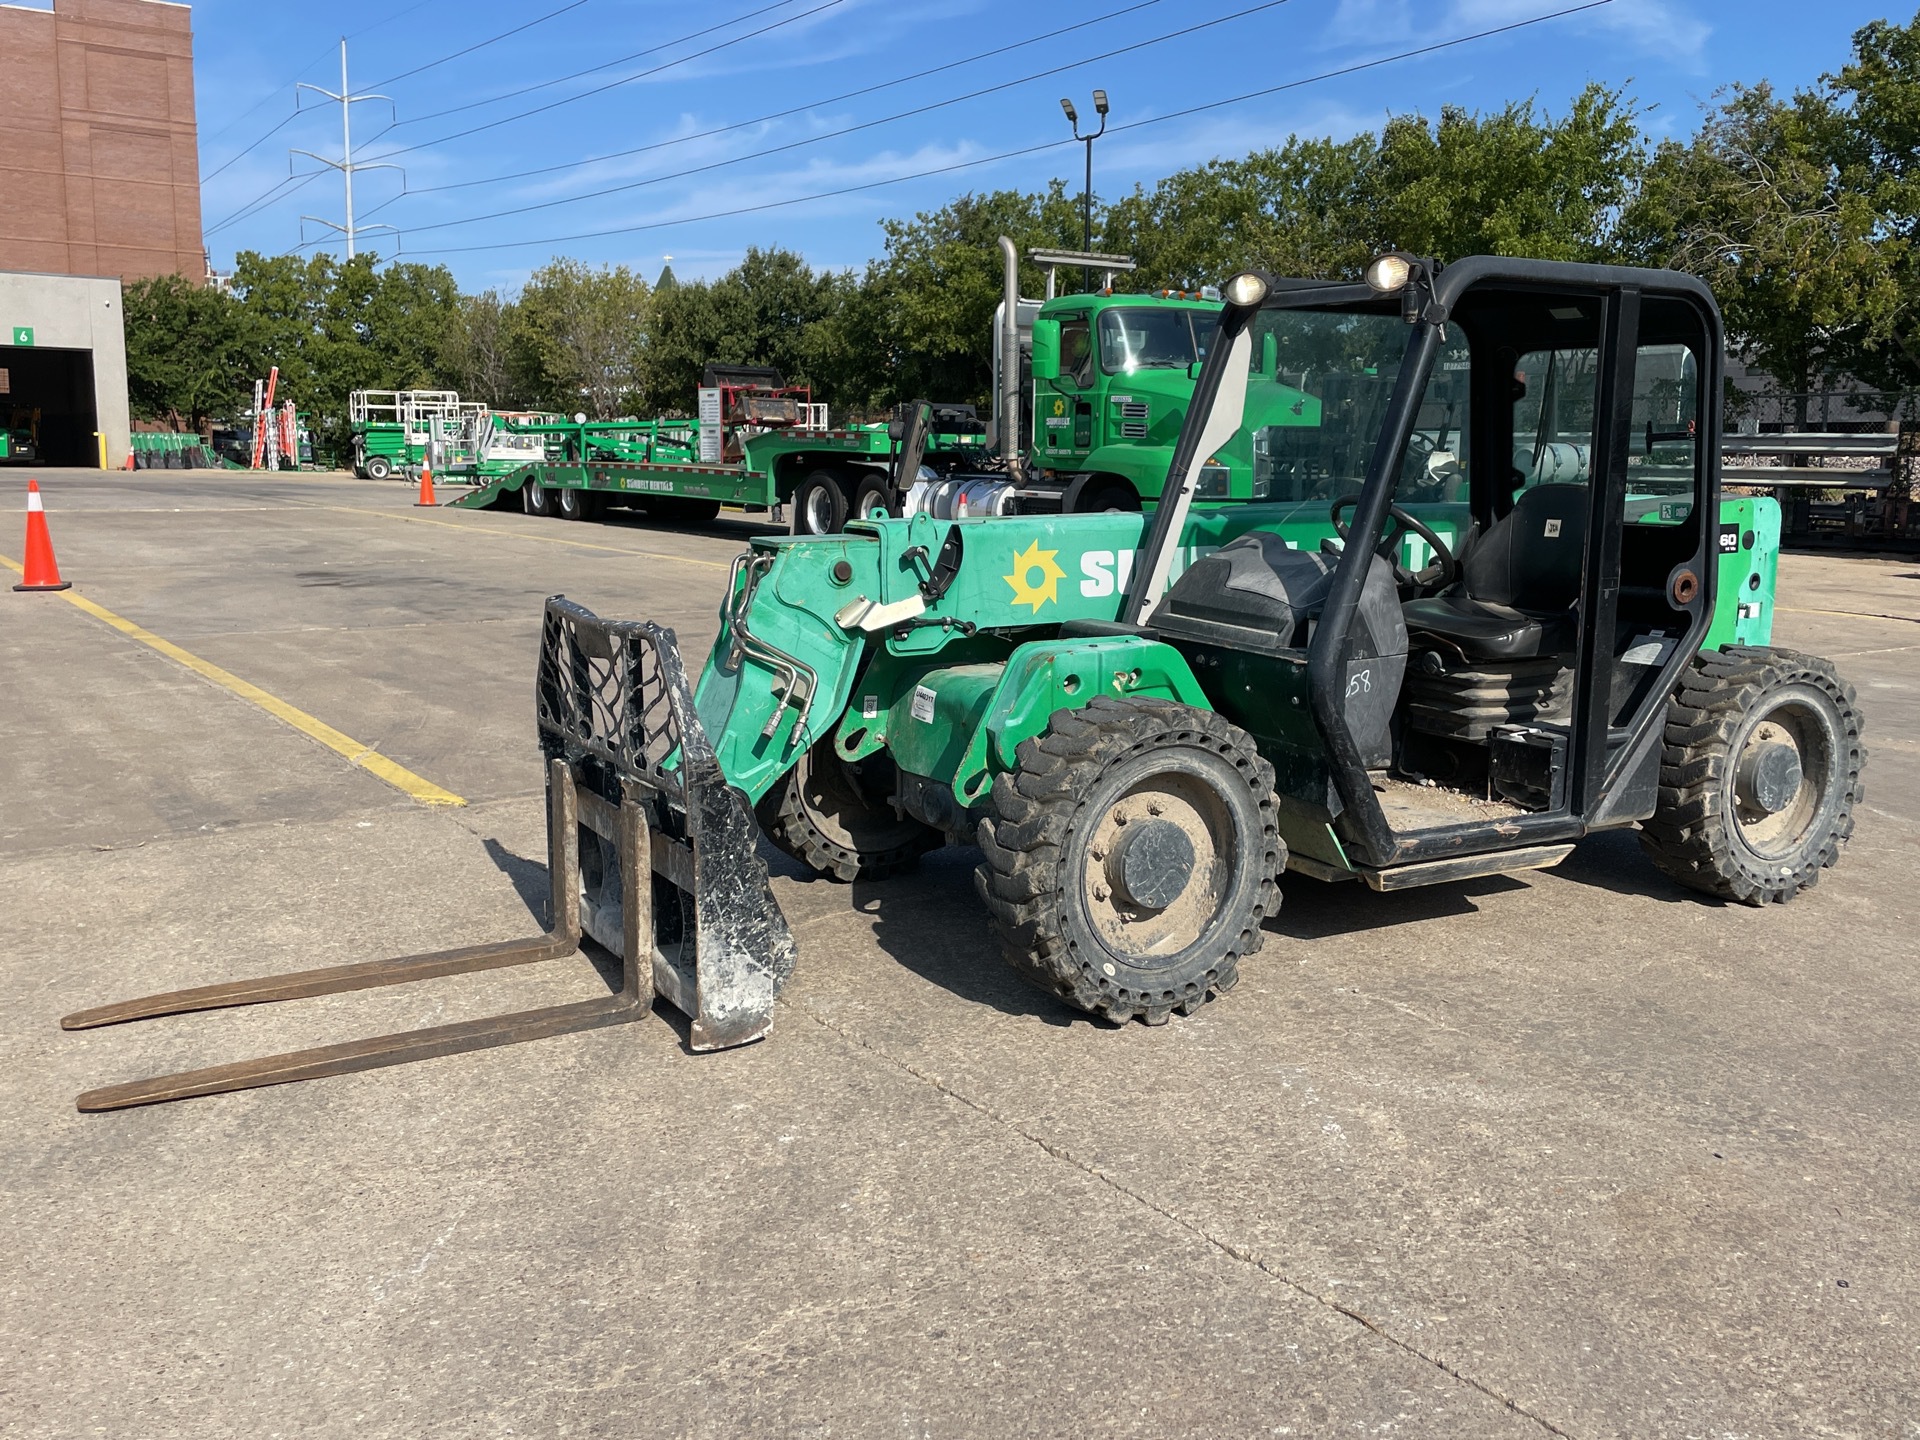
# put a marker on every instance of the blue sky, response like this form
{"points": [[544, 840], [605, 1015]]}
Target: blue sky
{"points": [[790, 84]]}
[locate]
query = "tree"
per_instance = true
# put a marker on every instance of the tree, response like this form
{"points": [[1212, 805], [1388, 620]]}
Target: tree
{"points": [[335, 326], [476, 355], [1297, 210], [187, 353], [925, 324], [1509, 183], [580, 337], [1876, 145], [1755, 205], [771, 309]]}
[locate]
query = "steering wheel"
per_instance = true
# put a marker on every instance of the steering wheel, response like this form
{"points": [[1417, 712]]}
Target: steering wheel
{"points": [[1438, 576]]}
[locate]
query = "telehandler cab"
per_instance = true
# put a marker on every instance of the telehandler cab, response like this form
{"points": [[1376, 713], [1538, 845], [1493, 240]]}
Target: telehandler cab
{"points": [[1495, 603]]}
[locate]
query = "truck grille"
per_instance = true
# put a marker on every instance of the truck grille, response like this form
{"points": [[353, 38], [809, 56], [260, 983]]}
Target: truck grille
{"points": [[1133, 429]]}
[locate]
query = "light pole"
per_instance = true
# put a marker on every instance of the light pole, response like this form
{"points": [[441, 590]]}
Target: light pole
{"points": [[1086, 195]]}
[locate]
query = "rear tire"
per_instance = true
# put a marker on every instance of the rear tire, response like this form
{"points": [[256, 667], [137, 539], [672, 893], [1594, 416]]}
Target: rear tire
{"points": [[873, 499], [379, 467], [820, 504], [1132, 856], [535, 498], [833, 816], [1760, 775], [577, 504]]}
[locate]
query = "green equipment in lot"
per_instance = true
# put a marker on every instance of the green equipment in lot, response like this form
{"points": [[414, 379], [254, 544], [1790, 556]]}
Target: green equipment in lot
{"points": [[1516, 612], [758, 443], [1089, 393], [20, 437], [392, 428]]}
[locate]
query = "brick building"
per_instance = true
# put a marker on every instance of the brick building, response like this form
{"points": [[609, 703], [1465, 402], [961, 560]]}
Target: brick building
{"points": [[99, 159]]}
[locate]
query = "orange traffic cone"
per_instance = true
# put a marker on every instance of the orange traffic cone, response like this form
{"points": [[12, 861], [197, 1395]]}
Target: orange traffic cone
{"points": [[43, 572], [426, 485], [129, 464]]}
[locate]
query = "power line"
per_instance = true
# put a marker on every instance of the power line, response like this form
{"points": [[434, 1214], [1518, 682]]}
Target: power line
{"points": [[546, 170], [264, 99], [624, 80], [279, 190], [604, 65], [298, 110], [480, 45], [322, 55], [1180, 34], [1353, 69]]}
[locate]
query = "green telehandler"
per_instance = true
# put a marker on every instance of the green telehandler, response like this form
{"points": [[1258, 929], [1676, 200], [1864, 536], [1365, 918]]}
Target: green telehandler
{"points": [[1506, 607]]}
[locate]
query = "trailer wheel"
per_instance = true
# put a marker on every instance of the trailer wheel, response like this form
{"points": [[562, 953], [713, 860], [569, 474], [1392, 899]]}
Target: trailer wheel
{"points": [[820, 504], [1131, 857], [577, 504], [833, 816], [1760, 776], [379, 467], [534, 496], [873, 498]]}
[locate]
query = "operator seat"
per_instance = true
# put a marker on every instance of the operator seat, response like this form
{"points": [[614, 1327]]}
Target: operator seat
{"points": [[1518, 582]]}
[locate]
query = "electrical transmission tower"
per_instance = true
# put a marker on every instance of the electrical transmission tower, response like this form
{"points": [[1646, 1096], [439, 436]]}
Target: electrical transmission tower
{"points": [[346, 100]]}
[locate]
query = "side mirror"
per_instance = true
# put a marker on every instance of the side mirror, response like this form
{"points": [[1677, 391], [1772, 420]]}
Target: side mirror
{"points": [[1046, 349]]}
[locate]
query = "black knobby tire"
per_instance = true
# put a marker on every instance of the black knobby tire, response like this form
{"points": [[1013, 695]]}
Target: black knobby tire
{"points": [[1067, 922], [379, 467], [576, 504], [820, 504], [833, 816], [536, 498], [873, 499], [1760, 775]]}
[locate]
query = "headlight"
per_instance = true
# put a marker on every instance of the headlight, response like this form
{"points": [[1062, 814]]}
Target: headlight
{"points": [[1389, 273], [1246, 288]]}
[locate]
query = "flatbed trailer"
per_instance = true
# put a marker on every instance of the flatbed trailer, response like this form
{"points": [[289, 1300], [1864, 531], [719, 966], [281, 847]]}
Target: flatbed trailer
{"points": [[823, 475]]}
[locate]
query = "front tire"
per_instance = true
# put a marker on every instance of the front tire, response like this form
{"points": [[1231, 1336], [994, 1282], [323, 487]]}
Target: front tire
{"points": [[535, 498], [379, 468], [1760, 775], [1130, 859], [833, 816]]}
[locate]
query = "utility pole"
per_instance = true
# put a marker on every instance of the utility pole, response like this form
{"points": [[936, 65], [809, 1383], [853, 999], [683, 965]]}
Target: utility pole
{"points": [[346, 100], [1086, 195]]}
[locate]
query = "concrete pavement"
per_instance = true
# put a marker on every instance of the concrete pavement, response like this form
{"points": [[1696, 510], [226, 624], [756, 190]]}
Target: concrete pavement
{"points": [[1567, 1154]]}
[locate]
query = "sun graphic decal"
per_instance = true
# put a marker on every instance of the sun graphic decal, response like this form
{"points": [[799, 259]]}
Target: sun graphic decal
{"points": [[1026, 591]]}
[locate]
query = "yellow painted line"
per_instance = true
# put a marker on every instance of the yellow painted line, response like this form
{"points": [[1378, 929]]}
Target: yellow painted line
{"points": [[542, 539], [367, 758]]}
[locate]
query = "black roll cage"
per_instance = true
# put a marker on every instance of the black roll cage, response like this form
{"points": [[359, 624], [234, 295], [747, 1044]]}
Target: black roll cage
{"points": [[1602, 760]]}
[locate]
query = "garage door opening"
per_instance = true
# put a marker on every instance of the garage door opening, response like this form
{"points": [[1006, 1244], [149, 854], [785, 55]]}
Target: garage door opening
{"points": [[46, 406]]}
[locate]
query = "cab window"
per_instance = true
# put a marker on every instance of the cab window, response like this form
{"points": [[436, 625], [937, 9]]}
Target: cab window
{"points": [[1133, 340], [1076, 352]]}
